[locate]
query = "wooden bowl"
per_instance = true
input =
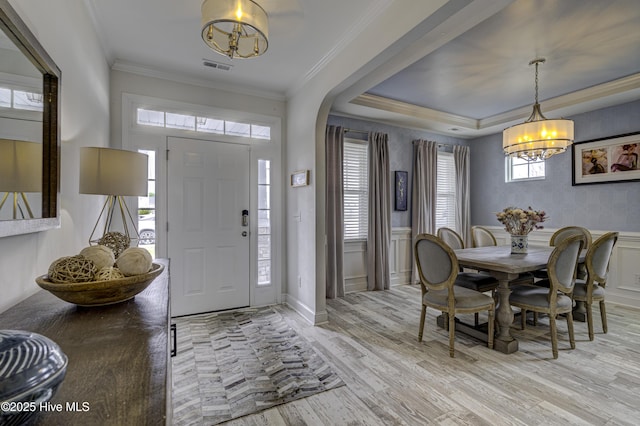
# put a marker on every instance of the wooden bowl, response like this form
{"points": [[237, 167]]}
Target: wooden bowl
{"points": [[99, 293]]}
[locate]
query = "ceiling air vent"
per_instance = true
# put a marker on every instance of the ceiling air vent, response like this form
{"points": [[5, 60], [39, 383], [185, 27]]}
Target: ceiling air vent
{"points": [[216, 65]]}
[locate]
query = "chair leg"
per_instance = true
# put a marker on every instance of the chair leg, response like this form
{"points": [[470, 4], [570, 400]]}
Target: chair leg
{"points": [[554, 336], [491, 328], [452, 333], [535, 319], [572, 340], [423, 314], [603, 315], [589, 320], [476, 319], [523, 318]]}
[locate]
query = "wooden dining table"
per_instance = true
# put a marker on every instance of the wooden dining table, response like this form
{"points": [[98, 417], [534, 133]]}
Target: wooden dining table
{"points": [[505, 267]]}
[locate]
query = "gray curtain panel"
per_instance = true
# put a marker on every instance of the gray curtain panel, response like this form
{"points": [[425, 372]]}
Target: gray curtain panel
{"points": [[334, 212], [379, 237], [424, 195], [463, 195]]}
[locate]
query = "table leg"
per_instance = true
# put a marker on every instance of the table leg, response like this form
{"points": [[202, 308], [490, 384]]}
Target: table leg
{"points": [[504, 341], [580, 311]]}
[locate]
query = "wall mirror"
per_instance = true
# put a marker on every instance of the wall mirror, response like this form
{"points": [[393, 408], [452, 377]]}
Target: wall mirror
{"points": [[29, 130]]}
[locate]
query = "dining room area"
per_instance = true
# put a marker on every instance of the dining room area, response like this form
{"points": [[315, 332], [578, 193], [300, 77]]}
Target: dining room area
{"points": [[547, 326]]}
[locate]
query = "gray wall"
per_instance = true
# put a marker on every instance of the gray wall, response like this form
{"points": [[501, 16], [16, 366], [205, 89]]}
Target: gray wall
{"points": [[400, 152], [613, 206]]}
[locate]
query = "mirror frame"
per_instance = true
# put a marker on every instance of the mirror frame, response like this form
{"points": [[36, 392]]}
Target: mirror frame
{"points": [[18, 32]]}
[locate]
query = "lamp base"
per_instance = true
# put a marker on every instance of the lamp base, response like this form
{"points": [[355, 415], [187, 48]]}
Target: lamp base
{"points": [[109, 237]]}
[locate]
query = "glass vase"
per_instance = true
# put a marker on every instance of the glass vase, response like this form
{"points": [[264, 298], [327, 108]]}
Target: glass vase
{"points": [[519, 244]]}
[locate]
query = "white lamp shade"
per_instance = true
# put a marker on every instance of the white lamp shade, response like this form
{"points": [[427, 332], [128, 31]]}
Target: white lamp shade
{"points": [[219, 18], [544, 136], [108, 171], [20, 166]]}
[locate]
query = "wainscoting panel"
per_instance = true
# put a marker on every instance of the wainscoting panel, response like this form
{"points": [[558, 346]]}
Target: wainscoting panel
{"points": [[355, 266], [355, 261], [400, 257]]}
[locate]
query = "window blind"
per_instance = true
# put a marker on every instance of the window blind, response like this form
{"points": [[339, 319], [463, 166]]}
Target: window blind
{"points": [[355, 176], [446, 191]]}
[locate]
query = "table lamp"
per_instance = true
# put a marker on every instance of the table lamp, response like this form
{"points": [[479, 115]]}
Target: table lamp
{"points": [[115, 173], [20, 172]]}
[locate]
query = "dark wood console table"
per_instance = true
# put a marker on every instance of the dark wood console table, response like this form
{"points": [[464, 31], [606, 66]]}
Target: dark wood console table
{"points": [[118, 355]]}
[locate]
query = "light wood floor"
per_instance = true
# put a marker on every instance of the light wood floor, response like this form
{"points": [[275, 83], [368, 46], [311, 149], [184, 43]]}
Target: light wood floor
{"points": [[392, 379]]}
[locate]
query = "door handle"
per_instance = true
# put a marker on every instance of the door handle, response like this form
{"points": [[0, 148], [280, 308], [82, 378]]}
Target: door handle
{"points": [[245, 217]]}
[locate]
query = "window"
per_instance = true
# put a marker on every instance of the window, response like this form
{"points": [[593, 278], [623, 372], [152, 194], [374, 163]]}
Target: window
{"points": [[20, 99], [520, 169], [355, 176], [170, 120], [446, 191], [147, 208], [264, 222]]}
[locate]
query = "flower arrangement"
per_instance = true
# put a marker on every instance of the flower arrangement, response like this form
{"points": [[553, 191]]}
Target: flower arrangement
{"points": [[519, 221]]}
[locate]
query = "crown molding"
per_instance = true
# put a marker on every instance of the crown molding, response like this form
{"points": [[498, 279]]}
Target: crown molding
{"points": [[181, 78], [398, 107], [99, 29], [354, 30], [625, 89]]}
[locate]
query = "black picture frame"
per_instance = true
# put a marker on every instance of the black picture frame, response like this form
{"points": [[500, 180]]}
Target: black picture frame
{"points": [[401, 187], [606, 160]]}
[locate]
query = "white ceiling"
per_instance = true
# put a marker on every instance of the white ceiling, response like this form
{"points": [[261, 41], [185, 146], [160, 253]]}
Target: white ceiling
{"points": [[464, 68]]}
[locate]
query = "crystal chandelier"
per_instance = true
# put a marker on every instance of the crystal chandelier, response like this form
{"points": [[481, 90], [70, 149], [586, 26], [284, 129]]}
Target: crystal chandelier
{"points": [[235, 28], [538, 138]]}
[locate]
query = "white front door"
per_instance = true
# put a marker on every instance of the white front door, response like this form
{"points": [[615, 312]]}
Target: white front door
{"points": [[208, 243]]}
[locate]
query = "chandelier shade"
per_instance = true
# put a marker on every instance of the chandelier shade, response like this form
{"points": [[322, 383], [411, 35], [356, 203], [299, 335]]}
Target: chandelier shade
{"points": [[538, 138], [235, 28]]}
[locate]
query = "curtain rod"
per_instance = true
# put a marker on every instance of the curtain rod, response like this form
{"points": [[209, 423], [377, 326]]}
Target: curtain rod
{"points": [[355, 131], [440, 145]]}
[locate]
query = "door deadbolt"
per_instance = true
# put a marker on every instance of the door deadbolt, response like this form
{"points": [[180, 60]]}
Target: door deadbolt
{"points": [[244, 233]]}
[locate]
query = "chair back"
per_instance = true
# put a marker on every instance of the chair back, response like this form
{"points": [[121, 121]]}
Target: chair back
{"points": [[568, 231], [437, 263], [482, 237], [562, 265], [451, 238], [598, 256]]}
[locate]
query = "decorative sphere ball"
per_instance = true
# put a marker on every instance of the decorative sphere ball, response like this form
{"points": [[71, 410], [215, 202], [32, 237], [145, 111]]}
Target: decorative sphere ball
{"points": [[109, 273], [134, 261], [116, 241], [102, 256], [72, 269]]}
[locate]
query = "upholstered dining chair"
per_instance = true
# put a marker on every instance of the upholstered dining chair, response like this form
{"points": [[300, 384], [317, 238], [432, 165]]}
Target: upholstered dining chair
{"points": [[591, 289], [559, 236], [482, 237], [438, 271], [472, 280], [557, 299]]}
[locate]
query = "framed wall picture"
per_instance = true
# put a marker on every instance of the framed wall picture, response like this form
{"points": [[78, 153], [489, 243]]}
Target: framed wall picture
{"points": [[300, 178], [401, 190], [606, 160]]}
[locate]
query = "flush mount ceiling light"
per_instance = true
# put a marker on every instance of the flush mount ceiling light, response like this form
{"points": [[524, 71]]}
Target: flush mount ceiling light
{"points": [[538, 138], [235, 28]]}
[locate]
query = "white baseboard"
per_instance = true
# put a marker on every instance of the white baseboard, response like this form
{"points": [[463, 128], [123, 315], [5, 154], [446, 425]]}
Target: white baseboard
{"points": [[314, 318]]}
